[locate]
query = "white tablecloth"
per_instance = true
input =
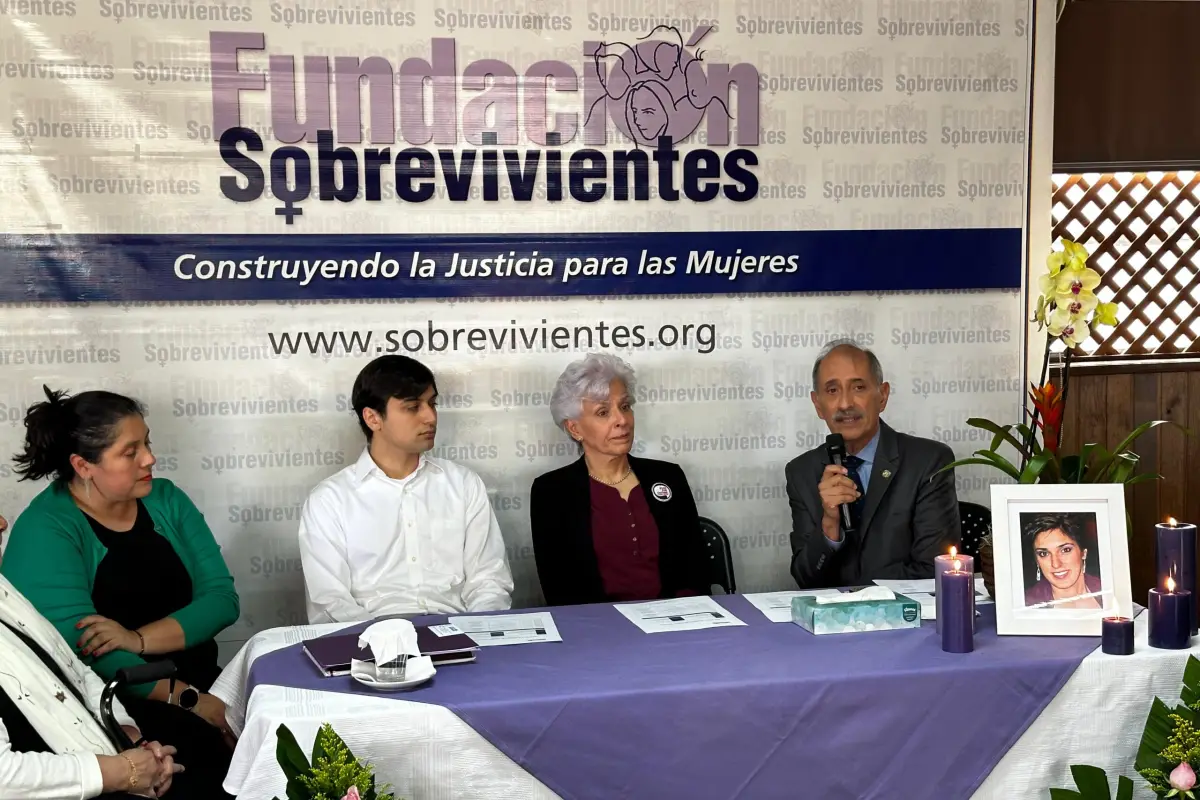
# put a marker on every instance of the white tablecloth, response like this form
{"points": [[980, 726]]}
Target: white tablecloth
{"points": [[427, 753]]}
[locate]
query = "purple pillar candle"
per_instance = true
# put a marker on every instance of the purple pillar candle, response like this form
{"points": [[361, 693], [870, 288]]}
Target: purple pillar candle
{"points": [[945, 564], [957, 590], [1170, 617], [1176, 546], [1117, 636]]}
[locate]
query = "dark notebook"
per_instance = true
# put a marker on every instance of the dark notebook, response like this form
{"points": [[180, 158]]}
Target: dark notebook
{"points": [[332, 654]]}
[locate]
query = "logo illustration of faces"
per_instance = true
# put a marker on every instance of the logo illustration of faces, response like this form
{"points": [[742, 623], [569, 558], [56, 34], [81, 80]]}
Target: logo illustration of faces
{"points": [[662, 87]]}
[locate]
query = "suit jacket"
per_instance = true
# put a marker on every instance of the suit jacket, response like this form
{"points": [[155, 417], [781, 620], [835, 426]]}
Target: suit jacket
{"points": [[560, 510], [908, 517]]}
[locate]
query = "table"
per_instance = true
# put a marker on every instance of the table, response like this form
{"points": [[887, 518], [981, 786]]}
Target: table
{"points": [[797, 690]]}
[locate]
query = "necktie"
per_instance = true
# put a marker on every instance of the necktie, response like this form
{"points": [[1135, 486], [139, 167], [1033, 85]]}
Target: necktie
{"points": [[852, 463]]}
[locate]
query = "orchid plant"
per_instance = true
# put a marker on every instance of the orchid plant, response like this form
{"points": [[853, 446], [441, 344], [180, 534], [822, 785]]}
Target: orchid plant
{"points": [[1068, 306], [333, 774], [1067, 309]]}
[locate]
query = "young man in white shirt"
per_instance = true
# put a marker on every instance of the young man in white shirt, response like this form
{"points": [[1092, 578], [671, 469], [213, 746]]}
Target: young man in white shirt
{"points": [[400, 532]]}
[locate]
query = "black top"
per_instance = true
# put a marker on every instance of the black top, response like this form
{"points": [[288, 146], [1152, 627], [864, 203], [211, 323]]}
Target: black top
{"points": [[22, 736], [560, 511], [140, 580]]}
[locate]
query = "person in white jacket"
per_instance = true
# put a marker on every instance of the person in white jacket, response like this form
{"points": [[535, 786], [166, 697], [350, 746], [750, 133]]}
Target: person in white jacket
{"points": [[52, 743]]}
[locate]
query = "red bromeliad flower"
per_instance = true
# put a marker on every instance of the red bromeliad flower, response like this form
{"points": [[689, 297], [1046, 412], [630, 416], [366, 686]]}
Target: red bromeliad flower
{"points": [[1048, 400]]}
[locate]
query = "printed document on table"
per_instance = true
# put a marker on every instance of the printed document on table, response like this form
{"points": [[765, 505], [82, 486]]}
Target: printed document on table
{"points": [[921, 590], [508, 629], [777, 606], [681, 614], [925, 586], [908, 587]]}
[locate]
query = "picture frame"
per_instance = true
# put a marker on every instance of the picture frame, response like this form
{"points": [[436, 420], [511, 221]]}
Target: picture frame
{"points": [[1061, 558]]}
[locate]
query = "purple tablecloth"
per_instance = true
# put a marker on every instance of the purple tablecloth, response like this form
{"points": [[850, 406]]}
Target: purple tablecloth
{"points": [[763, 711]]}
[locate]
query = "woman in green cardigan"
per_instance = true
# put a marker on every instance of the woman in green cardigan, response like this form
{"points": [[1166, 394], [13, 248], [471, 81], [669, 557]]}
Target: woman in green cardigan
{"points": [[124, 565]]}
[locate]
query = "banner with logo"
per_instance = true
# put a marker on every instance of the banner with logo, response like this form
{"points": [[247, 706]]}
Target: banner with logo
{"points": [[316, 149], [227, 208]]}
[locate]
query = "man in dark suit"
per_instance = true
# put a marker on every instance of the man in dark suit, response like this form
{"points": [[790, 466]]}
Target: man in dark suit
{"points": [[903, 508]]}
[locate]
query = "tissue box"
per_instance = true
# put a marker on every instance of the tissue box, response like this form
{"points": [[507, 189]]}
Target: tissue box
{"points": [[856, 616]]}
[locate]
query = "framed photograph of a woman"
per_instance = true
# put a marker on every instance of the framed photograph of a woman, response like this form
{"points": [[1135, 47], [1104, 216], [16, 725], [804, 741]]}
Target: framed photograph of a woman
{"points": [[1056, 568], [1061, 557]]}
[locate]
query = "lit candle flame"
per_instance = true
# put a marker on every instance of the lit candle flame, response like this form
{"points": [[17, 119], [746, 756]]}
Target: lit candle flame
{"points": [[957, 566], [1171, 521], [953, 553], [1170, 584]]}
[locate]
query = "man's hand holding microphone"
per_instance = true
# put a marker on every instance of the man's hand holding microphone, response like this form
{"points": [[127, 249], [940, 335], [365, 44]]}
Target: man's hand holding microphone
{"points": [[837, 491]]}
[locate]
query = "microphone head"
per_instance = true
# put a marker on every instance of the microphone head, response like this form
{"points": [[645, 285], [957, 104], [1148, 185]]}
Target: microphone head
{"points": [[835, 443]]}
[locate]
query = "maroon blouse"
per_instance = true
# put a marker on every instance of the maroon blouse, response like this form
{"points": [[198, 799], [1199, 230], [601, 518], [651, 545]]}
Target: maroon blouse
{"points": [[625, 538]]}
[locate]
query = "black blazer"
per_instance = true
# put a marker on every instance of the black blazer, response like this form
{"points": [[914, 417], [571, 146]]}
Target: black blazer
{"points": [[560, 510], [910, 515]]}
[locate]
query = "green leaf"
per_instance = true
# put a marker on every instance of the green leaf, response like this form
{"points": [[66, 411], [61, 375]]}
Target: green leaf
{"points": [[1065, 794], [1155, 737], [319, 751], [1002, 434], [1009, 470], [1143, 478], [1053, 471], [1191, 681], [1095, 471], [1033, 470], [1092, 782], [1124, 788], [1137, 433], [1085, 456], [289, 755], [1123, 466], [1072, 469], [1000, 462]]}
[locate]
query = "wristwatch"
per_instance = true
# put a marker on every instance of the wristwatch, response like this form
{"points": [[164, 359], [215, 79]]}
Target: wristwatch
{"points": [[188, 698]]}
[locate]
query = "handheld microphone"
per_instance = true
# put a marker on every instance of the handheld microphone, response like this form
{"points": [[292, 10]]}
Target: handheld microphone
{"points": [[835, 445]]}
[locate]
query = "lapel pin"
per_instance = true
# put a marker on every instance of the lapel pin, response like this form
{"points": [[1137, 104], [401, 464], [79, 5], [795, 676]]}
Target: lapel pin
{"points": [[887, 473]]}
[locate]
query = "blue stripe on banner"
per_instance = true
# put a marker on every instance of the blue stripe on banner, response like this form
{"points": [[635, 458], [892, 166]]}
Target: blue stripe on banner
{"points": [[85, 268]]}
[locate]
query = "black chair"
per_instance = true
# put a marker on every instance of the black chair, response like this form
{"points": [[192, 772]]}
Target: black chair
{"points": [[976, 523], [150, 672], [720, 557]]}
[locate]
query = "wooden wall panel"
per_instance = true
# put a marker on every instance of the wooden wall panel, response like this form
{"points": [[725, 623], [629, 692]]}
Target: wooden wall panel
{"points": [[1104, 407], [1120, 67], [1141, 501]]}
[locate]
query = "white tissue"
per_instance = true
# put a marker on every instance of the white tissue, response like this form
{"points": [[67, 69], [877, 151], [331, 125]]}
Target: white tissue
{"points": [[389, 639], [869, 593], [416, 670]]}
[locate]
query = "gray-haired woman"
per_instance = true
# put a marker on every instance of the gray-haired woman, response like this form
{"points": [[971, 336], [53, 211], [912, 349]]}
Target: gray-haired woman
{"points": [[609, 526]]}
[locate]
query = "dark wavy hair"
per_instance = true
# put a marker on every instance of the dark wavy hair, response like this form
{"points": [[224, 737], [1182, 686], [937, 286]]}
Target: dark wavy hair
{"points": [[63, 425], [384, 378], [1067, 523]]}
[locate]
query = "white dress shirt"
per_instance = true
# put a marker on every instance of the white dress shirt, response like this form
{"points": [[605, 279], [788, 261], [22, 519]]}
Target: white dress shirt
{"points": [[428, 543]]}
